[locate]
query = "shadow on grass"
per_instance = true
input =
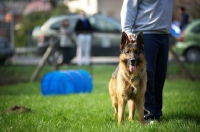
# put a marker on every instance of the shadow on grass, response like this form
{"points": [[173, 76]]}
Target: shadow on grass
{"points": [[30, 88], [182, 116]]}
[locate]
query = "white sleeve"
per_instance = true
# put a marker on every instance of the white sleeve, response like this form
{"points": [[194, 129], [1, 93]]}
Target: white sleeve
{"points": [[128, 15]]}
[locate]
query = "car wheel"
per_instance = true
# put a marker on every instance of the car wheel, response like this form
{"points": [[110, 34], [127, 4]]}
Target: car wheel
{"points": [[192, 55], [55, 58]]}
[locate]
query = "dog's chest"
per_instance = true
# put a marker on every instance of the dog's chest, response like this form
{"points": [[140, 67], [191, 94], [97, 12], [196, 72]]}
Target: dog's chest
{"points": [[129, 85], [132, 90], [133, 87], [129, 93]]}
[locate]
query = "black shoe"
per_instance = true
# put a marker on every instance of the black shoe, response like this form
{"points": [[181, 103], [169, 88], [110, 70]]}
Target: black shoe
{"points": [[149, 117]]}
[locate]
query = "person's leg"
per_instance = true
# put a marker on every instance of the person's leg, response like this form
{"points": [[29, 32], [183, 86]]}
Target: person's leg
{"points": [[88, 41], [151, 50], [160, 73], [79, 49], [66, 55], [63, 50]]}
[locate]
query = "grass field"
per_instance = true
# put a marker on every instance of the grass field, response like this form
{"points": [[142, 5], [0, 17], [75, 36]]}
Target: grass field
{"points": [[91, 112]]}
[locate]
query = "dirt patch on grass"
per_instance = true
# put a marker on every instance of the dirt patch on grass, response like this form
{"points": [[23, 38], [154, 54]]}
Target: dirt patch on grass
{"points": [[17, 109], [10, 78]]}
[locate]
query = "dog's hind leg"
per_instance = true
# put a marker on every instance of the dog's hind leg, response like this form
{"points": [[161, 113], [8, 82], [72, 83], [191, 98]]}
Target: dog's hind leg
{"points": [[131, 109]]}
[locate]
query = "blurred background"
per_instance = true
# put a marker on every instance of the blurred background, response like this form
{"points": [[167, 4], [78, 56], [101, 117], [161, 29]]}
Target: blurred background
{"points": [[21, 24]]}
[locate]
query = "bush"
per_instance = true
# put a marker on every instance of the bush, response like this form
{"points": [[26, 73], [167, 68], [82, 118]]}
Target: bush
{"points": [[28, 22]]}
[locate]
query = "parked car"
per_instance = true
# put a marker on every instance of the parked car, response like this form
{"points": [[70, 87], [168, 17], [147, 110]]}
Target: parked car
{"points": [[188, 44], [106, 35], [36, 34], [5, 50]]}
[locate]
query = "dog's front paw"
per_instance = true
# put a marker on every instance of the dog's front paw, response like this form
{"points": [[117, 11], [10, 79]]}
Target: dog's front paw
{"points": [[114, 116], [130, 119]]}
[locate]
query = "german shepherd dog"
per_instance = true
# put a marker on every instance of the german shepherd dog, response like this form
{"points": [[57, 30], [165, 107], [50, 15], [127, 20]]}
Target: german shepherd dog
{"points": [[128, 82]]}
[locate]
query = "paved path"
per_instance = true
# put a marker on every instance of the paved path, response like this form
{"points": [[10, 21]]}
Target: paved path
{"points": [[34, 60]]}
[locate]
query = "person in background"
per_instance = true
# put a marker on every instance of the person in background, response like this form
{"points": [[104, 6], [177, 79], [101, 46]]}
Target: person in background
{"points": [[66, 41], [184, 18], [153, 18], [83, 30]]}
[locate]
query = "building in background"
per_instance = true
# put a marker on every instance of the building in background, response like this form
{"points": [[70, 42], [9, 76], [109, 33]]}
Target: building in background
{"points": [[37, 6], [108, 7]]}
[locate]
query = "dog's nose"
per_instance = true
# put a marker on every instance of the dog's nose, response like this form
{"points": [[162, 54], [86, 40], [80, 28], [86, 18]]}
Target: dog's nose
{"points": [[133, 61]]}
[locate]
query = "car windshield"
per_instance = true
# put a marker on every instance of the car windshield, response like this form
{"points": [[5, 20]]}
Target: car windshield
{"points": [[99, 24], [196, 29], [56, 26], [103, 25]]}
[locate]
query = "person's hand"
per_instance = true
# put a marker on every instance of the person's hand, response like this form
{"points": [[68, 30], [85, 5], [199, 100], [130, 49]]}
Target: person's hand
{"points": [[131, 37]]}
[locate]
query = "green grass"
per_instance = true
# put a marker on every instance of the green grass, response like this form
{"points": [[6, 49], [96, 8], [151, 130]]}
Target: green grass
{"points": [[91, 112]]}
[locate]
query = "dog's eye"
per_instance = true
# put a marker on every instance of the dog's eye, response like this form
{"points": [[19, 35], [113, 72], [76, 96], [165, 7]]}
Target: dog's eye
{"points": [[136, 52], [127, 51]]}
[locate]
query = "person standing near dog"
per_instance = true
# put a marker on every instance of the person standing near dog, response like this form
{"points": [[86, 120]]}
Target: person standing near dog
{"points": [[65, 41], [83, 30], [184, 18], [153, 18]]}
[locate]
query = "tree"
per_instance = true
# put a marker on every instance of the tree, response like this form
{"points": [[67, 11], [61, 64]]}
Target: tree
{"points": [[28, 22], [192, 8], [53, 3]]}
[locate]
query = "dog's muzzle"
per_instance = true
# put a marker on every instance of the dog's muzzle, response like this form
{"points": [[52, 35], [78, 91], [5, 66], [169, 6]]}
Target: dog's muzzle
{"points": [[133, 61], [132, 65]]}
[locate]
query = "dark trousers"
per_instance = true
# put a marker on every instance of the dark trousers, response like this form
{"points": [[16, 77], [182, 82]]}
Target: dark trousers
{"points": [[66, 53], [156, 47]]}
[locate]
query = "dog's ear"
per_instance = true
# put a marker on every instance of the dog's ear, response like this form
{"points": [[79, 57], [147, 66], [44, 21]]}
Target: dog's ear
{"points": [[140, 40], [124, 40]]}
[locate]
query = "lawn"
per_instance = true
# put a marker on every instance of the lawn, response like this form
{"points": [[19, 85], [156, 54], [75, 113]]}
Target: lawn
{"points": [[91, 112]]}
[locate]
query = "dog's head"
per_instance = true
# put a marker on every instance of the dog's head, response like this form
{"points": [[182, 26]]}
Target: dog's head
{"points": [[132, 52]]}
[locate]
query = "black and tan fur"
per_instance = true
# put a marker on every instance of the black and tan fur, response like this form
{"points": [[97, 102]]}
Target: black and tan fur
{"points": [[128, 82]]}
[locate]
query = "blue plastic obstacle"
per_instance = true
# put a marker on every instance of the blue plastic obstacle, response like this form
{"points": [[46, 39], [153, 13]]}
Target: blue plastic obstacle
{"points": [[66, 82]]}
